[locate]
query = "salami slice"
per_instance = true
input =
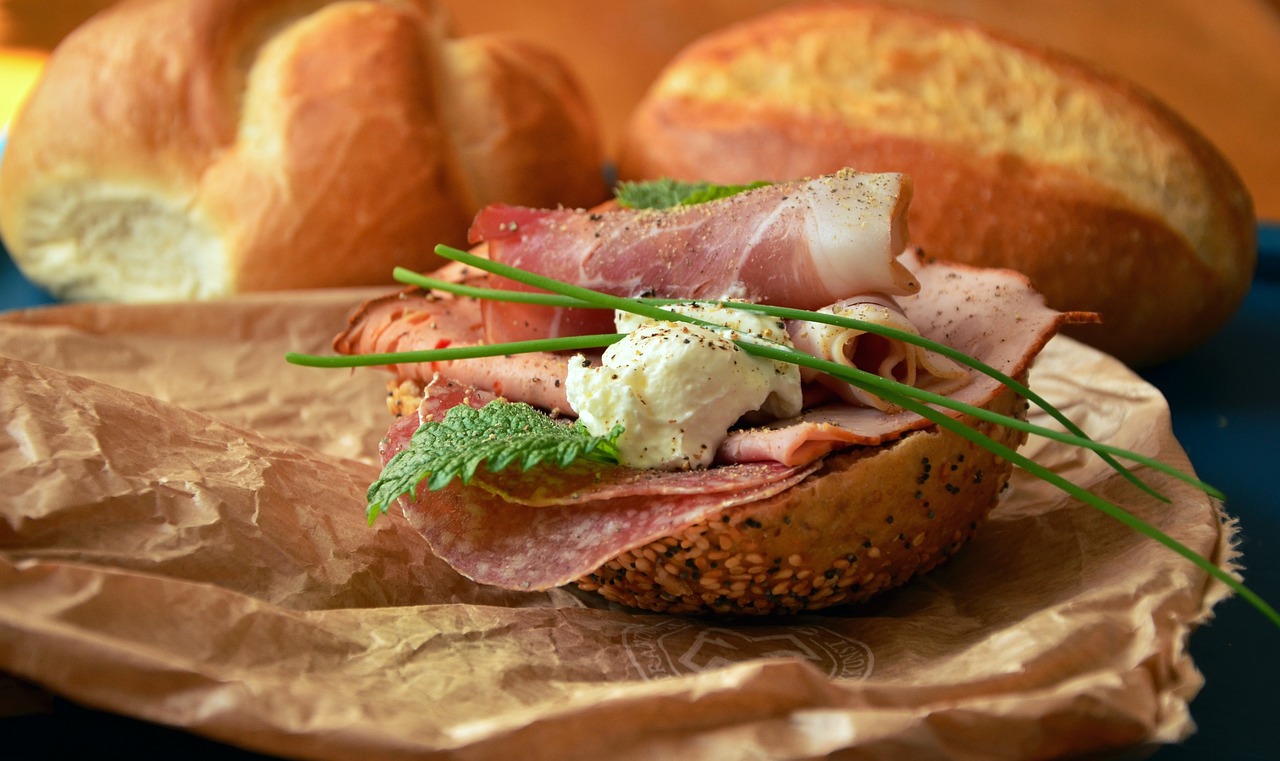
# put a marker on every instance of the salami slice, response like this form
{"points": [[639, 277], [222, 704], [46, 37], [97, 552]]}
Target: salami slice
{"points": [[492, 541], [545, 527]]}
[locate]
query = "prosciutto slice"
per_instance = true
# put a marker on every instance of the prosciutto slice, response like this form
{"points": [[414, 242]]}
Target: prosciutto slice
{"points": [[804, 244]]}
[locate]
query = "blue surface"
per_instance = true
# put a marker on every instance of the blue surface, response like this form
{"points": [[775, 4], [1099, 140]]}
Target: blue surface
{"points": [[15, 290], [1226, 413]]}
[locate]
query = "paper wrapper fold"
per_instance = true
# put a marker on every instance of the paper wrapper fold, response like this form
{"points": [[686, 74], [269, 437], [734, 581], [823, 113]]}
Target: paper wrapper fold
{"points": [[183, 540]]}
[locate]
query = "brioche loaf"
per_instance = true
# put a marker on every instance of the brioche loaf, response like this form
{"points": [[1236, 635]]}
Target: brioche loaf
{"points": [[197, 148], [1021, 158]]}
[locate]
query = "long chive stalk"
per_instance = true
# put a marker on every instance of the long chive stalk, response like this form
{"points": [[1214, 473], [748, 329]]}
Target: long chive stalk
{"points": [[409, 277], [860, 378], [475, 351], [908, 397], [895, 393]]}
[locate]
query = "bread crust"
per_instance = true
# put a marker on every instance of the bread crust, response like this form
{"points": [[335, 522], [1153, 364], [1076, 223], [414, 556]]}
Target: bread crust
{"points": [[198, 148], [1107, 200], [869, 520]]}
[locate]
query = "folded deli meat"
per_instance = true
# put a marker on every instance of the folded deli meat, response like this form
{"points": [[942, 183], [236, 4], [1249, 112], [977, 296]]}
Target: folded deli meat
{"points": [[780, 244]]}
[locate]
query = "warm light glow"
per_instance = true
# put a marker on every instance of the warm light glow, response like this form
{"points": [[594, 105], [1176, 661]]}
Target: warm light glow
{"points": [[18, 72]]}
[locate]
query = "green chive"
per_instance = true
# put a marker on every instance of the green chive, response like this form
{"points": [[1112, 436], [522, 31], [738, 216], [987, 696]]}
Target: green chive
{"points": [[453, 353], [559, 294], [409, 277]]}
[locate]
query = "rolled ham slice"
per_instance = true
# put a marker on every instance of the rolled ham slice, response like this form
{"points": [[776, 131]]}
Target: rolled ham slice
{"points": [[886, 357], [992, 315], [803, 244]]}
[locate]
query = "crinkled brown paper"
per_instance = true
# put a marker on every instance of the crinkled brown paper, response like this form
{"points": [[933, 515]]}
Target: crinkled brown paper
{"points": [[184, 541]]}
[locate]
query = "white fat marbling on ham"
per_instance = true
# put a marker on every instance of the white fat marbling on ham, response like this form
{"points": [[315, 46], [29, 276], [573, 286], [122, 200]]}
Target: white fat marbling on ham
{"points": [[852, 231], [804, 244]]}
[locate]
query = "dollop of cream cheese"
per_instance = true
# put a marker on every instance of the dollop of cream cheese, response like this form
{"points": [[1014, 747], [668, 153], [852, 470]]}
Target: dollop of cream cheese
{"points": [[677, 388]]}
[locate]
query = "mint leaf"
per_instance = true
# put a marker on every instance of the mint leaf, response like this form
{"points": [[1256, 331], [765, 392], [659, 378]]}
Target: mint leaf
{"points": [[500, 434], [665, 193]]}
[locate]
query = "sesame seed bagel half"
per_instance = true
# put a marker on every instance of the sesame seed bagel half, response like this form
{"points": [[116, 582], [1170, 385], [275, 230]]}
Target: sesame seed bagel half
{"points": [[869, 520]]}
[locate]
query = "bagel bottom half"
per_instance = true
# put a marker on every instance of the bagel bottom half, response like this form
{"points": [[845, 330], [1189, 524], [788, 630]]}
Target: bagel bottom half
{"points": [[867, 521]]}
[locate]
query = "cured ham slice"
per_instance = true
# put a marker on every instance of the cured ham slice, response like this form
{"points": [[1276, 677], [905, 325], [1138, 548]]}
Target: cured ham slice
{"points": [[804, 244]]}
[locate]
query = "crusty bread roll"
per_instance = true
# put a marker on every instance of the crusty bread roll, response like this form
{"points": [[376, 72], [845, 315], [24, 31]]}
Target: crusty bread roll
{"points": [[1021, 158], [832, 539], [198, 148]]}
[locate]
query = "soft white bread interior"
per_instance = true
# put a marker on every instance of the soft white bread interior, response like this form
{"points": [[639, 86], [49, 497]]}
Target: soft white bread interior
{"points": [[180, 149], [1021, 158]]}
